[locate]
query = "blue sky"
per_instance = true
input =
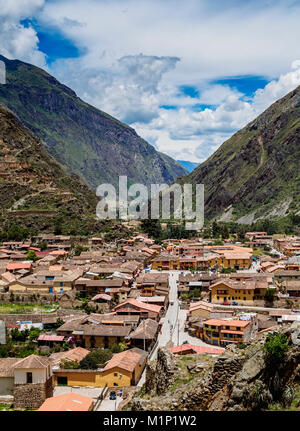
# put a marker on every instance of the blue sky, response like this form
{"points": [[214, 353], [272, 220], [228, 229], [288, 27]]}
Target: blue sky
{"points": [[185, 75]]}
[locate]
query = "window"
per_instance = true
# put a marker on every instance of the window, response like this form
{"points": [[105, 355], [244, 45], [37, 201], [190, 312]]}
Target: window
{"points": [[28, 377], [62, 381], [61, 284], [115, 374], [244, 298], [116, 384]]}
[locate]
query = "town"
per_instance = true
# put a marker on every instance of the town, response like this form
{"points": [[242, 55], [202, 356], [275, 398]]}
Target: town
{"points": [[81, 318]]}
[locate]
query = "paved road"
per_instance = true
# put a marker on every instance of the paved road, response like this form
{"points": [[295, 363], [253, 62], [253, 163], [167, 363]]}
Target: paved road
{"points": [[108, 405]]}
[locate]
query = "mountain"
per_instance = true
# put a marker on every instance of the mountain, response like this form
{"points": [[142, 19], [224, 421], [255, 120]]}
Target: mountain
{"points": [[35, 191], [189, 166], [256, 173], [85, 140]]}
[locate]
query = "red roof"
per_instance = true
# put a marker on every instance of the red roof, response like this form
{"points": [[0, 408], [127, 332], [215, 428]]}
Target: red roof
{"points": [[197, 349], [44, 337], [67, 402], [14, 266], [142, 305]]}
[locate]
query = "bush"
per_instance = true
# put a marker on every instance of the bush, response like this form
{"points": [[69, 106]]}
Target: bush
{"points": [[96, 359], [275, 347], [69, 365], [34, 333]]}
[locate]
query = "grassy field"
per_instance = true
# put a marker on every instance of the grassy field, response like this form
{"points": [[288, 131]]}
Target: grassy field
{"points": [[24, 308]]}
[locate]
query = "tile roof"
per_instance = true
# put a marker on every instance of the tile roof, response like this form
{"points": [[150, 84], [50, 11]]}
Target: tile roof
{"points": [[45, 337], [33, 361], [67, 402], [138, 304], [197, 349], [14, 266], [231, 322], [76, 354], [126, 360], [7, 366], [146, 329]]}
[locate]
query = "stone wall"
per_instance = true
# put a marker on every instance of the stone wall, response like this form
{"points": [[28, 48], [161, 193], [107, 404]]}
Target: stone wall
{"points": [[32, 396], [161, 373]]}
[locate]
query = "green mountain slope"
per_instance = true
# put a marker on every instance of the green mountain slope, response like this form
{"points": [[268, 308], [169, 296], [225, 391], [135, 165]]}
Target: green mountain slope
{"points": [[35, 191], [85, 140], [256, 173]]}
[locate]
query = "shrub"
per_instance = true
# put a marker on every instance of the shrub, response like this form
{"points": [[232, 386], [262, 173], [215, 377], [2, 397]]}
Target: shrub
{"points": [[69, 365], [275, 347]]}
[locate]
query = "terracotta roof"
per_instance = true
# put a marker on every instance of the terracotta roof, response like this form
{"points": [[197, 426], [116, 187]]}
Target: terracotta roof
{"points": [[105, 330], [14, 266], [33, 361], [201, 304], [67, 402], [197, 349], [126, 360], [44, 337], [146, 329], [76, 354], [232, 322], [103, 296], [138, 304]]}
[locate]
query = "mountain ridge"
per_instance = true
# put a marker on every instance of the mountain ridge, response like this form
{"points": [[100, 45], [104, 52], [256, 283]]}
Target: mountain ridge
{"points": [[84, 139], [255, 174]]}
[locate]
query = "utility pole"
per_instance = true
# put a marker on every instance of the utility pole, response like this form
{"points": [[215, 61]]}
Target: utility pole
{"points": [[144, 334]]}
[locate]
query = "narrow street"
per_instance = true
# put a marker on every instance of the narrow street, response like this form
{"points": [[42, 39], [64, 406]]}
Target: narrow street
{"points": [[173, 322]]}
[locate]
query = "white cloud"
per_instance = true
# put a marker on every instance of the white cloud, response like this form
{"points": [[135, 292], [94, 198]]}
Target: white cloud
{"points": [[17, 41], [137, 54]]}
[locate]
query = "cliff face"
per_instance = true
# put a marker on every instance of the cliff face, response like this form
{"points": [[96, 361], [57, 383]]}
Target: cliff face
{"points": [[85, 140], [240, 379], [256, 173]]}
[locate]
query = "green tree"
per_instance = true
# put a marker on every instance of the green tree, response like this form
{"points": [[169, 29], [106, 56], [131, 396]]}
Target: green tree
{"points": [[269, 295], [31, 255], [69, 365], [34, 333], [275, 348]]}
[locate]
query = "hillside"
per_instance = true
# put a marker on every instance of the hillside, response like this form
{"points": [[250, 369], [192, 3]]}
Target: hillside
{"points": [[85, 140], [256, 173], [34, 189]]}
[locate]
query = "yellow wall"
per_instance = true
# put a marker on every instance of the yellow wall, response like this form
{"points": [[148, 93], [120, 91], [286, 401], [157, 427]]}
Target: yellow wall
{"points": [[20, 287], [96, 379], [99, 341], [237, 294], [231, 263], [200, 312]]}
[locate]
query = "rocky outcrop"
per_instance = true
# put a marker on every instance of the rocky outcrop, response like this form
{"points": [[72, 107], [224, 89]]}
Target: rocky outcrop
{"points": [[240, 379], [160, 373]]}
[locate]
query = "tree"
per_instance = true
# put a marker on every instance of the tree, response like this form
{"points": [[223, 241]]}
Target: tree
{"points": [[269, 295], [275, 347], [152, 228], [31, 255], [59, 322], [34, 333], [69, 365], [95, 359]]}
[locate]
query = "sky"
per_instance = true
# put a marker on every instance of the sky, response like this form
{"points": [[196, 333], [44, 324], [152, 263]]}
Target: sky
{"points": [[186, 75]]}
